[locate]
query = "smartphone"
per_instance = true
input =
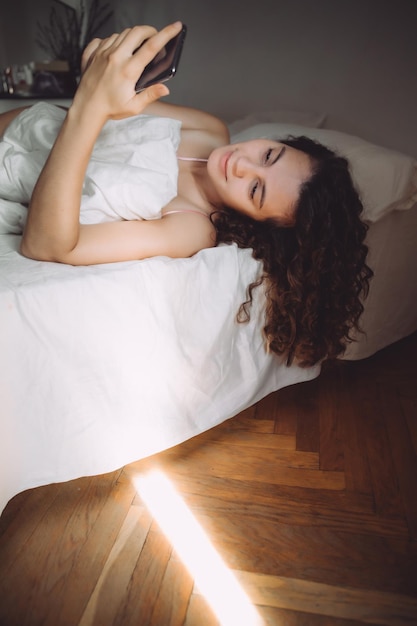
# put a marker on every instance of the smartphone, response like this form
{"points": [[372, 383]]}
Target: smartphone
{"points": [[164, 65]]}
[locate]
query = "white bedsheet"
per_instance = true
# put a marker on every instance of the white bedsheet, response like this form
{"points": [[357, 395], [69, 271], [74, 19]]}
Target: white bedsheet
{"points": [[104, 365]]}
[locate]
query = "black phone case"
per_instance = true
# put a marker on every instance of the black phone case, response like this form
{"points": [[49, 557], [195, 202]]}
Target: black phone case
{"points": [[164, 65]]}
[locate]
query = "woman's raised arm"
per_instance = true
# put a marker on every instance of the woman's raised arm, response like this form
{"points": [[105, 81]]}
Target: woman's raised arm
{"points": [[192, 119], [106, 91]]}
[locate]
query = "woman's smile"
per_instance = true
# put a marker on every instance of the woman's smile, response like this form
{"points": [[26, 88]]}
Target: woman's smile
{"points": [[224, 162], [261, 178]]}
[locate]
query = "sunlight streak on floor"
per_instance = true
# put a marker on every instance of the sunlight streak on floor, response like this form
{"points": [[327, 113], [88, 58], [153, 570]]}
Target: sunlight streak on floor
{"points": [[213, 578]]}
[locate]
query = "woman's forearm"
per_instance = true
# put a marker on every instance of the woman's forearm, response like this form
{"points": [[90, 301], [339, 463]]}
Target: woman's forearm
{"points": [[53, 220], [191, 118]]}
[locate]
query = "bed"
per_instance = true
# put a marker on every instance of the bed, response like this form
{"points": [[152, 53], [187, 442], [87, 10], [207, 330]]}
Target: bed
{"points": [[104, 365]]}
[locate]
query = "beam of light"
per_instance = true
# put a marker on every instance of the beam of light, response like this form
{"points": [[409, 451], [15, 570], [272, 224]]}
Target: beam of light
{"points": [[212, 577]]}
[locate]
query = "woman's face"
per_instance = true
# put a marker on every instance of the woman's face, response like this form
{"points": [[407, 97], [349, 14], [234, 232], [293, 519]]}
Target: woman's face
{"points": [[261, 178]]}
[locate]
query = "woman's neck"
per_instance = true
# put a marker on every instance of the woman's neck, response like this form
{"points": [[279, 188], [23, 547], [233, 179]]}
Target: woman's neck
{"points": [[195, 170]]}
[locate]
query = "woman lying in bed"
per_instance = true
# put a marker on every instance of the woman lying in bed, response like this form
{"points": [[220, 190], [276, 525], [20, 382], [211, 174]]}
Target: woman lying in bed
{"points": [[292, 201]]}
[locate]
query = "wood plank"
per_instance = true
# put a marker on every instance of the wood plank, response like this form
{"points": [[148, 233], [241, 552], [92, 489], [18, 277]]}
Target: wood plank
{"points": [[49, 552], [174, 596], [243, 432], [304, 500], [251, 438], [319, 554], [408, 402], [308, 418], [19, 520], [142, 592], [356, 468], [382, 471], [285, 504], [289, 467], [279, 406], [200, 613], [93, 555], [284, 617], [330, 388], [403, 454], [367, 606], [109, 592]]}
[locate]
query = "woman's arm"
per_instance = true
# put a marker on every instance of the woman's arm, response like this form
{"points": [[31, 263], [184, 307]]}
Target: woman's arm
{"points": [[180, 236], [106, 91], [191, 119]]}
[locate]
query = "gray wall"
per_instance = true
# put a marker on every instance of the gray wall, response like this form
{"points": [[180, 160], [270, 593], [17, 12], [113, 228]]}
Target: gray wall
{"points": [[355, 60]]}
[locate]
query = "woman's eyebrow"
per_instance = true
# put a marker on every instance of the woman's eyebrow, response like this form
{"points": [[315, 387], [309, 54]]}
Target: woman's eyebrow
{"points": [[277, 158]]}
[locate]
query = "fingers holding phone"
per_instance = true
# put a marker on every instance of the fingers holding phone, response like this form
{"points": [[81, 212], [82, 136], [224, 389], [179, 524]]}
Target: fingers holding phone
{"points": [[109, 45], [164, 63], [111, 68]]}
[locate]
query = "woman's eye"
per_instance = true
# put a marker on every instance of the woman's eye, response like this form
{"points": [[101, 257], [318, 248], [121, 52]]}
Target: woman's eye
{"points": [[268, 155], [253, 190]]}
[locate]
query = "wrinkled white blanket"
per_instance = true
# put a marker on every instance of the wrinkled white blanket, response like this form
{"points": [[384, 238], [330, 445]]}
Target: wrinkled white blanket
{"points": [[132, 173], [103, 365]]}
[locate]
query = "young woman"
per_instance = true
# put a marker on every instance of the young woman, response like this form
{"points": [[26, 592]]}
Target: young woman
{"points": [[291, 201]]}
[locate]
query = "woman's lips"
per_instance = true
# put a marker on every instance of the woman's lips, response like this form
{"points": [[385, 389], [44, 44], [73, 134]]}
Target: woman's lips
{"points": [[224, 161]]}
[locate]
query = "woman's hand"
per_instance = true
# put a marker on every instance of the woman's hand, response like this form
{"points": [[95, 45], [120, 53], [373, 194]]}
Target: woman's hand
{"points": [[111, 68]]}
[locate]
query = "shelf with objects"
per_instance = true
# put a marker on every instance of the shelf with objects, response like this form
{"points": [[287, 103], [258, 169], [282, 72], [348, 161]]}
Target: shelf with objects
{"points": [[70, 25], [22, 85]]}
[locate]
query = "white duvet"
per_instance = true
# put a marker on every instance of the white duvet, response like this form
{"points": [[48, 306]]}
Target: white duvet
{"points": [[104, 365], [132, 173]]}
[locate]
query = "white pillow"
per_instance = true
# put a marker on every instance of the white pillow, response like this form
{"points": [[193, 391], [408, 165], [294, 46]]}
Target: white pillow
{"points": [[386, 179], [306, 118]]}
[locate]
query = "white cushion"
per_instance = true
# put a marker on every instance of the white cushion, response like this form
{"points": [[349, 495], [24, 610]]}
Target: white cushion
{"points": [[306, 118]]}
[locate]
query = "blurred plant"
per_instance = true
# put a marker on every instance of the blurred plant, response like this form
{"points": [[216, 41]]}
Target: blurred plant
{"points": [[72, 24]]}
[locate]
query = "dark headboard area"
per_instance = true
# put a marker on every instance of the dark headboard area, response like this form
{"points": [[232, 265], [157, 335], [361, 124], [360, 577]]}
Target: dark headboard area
{"points": [[355, 60]]}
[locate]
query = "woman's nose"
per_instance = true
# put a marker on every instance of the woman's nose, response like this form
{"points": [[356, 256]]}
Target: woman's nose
{"points": [[243, 166]]}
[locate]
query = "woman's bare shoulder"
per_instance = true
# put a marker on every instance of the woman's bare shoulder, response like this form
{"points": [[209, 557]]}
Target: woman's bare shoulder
{"points": [[198, 128]]}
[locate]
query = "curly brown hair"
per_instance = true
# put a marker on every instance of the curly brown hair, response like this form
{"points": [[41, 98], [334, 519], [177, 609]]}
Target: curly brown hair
{"points": [[314, 270]]}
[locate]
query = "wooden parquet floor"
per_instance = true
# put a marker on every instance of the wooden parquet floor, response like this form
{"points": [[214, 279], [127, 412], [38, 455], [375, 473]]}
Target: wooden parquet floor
{"points": [[309, 498]]}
